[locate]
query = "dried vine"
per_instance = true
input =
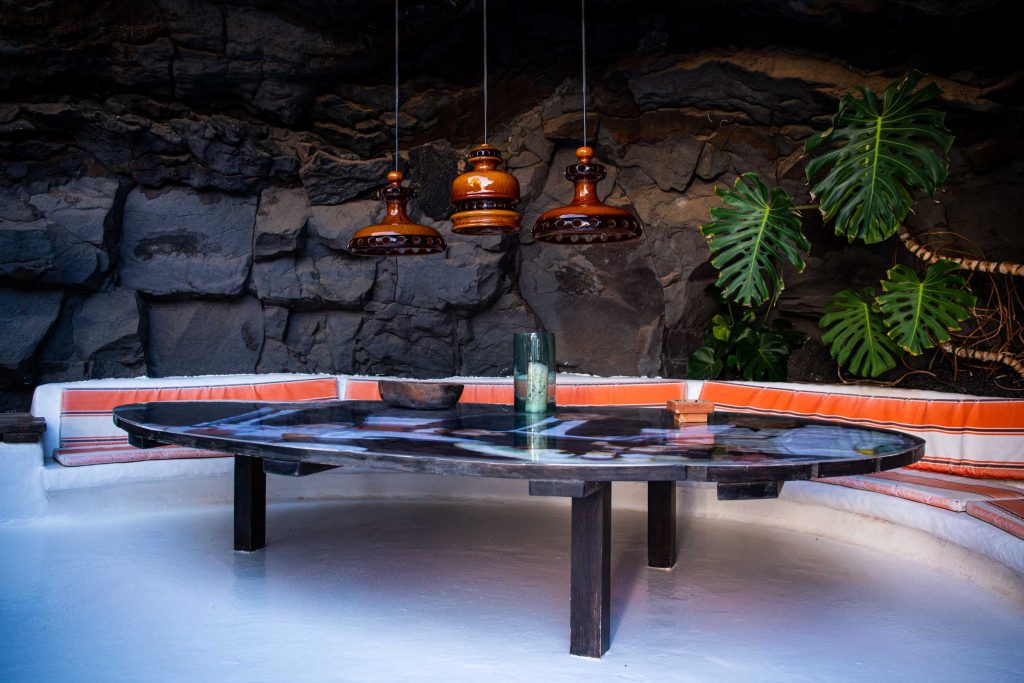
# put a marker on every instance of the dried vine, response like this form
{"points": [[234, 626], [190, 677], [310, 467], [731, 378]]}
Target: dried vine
{"points": [[996, 336], [979, 266]]}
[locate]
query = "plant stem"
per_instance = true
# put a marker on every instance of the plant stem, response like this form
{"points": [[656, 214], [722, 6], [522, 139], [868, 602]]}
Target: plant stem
{"points": [[803, 207]]}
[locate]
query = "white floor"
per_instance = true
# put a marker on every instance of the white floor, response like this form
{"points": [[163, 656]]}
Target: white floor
{"points": [[449, 591]]}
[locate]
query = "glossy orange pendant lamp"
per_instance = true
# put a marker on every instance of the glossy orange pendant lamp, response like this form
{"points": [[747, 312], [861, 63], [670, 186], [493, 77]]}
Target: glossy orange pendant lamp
{"points": [[586, 220], [485, 198], [396, 235]]}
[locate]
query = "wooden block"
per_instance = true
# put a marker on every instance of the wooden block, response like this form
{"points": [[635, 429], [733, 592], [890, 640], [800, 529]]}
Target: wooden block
{"points": [[690, 411], [21, 427]]}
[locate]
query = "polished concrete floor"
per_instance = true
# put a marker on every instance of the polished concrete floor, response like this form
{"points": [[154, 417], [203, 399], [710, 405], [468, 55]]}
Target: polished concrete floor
{"points": [[450, 591]]}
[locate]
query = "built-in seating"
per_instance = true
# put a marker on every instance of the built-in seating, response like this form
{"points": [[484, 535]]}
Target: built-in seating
{"points": [[973, 470]]}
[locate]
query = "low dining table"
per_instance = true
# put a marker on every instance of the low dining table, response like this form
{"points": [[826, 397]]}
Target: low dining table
{"points": [[575, 452]]}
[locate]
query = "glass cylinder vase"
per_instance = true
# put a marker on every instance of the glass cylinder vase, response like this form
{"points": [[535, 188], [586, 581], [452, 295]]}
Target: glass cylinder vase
{"points": [[533, 368]]}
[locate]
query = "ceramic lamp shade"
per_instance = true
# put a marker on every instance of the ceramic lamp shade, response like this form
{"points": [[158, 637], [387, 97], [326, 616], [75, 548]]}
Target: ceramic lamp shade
{"points": [[485, 198], [397, 235], [586, 220]]}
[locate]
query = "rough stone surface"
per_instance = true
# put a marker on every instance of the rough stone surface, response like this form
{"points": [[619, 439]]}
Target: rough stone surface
{"points": [[186, 242], [98, 336], [467, 278], [280, 221], [252, 137], [82, 218], [488, 347], [319, 277], [316, 341], [605, 306], [332, 179], [204, 337], [26, 317], [403, 340]]}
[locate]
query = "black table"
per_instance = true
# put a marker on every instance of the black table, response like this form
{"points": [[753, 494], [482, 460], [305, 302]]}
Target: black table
{"points": [[576, 452]]}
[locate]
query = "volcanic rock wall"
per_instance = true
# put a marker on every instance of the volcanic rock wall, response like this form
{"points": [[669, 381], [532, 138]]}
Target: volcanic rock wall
{"points": [[180, 178]]}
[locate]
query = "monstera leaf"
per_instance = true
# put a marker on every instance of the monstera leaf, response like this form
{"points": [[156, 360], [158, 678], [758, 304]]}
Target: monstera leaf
{"points": [[855, 333], [704, 364], [758, 228], [919, 313], [877, 152], [762, 357]]}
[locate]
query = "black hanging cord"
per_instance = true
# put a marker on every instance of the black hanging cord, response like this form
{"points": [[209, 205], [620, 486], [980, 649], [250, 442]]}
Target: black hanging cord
{"points": [[583, 40], [485, 72], [396, 86]]}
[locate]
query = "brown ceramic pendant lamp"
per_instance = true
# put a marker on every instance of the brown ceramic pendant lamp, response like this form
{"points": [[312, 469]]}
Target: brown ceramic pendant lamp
{"points": [[586, 220], [485, 198], [396, 235]]}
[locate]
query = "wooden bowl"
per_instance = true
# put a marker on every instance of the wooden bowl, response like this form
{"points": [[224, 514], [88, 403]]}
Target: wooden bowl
{"points": [[419, 395]]}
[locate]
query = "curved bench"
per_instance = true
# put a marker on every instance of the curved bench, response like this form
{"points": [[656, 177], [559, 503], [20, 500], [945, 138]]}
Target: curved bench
{"points": [[965, 435]]}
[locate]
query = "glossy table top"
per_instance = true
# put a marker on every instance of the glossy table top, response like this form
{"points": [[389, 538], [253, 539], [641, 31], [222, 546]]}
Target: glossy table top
{"points": [[607, 443]]}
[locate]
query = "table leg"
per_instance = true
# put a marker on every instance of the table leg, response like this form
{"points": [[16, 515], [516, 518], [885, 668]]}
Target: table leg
{"points": [[590, 592], [250, 504], [661, 524]]}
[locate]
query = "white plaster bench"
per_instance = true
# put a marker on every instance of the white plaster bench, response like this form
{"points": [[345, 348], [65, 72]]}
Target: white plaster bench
{"points": [[965, 435]]}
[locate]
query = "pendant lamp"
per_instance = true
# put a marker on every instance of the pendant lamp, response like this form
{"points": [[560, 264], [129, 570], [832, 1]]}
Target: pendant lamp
{"points": [[586, 219], [485, 198], [396, 235]]}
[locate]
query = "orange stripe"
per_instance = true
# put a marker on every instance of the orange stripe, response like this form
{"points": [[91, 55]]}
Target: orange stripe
{"points": [[970, 471], [565, 394], [1008, 515], [978, 489], [105, 400], [952, 414]]}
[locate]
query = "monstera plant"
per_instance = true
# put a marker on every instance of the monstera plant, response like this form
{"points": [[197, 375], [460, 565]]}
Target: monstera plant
{"points": [[864, 171]]}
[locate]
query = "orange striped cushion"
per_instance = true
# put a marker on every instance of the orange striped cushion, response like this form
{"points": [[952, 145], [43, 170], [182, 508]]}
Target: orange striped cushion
{"points": [[88, 435], [937, 490], [963, 436], [1008, 515], [590, 394]]}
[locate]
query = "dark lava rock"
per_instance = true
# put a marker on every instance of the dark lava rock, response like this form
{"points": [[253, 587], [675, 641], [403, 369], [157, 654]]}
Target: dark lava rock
{"points": [[26, 317], [670, 163], [603, 303], [466, 277], [333, 226], [407, 342], [320, 341], [433, 168], [811, 363], [25, 249], [333, 179], [185, 242], [488, 350], [82, 217], [204, 337], [319, 277], [280, 221], [98, 336], [713, 84]]}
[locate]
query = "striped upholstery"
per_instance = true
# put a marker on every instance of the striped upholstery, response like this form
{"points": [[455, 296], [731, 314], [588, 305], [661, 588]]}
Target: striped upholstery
{"points": [[938, 490], [968, 436], [1008, 515], [88, 435], [569, 392]]}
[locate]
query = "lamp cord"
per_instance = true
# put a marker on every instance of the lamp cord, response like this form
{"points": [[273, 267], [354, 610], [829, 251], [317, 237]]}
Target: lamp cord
{"points": [[396, 86], [583, 40], [485, 72]]}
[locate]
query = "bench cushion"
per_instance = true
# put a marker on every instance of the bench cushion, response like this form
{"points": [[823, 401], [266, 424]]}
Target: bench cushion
{"points": [[570, 390], [87, 435], [964, 435], [1008, 515], [938, 490]]}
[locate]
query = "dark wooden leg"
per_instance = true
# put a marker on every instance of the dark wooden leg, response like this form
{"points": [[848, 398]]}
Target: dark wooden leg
{"points": [[590, 592], [250, 504], [661, 524]]}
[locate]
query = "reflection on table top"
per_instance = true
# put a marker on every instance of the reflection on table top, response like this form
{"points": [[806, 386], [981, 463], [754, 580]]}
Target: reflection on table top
{"points": [[493, 435]]}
